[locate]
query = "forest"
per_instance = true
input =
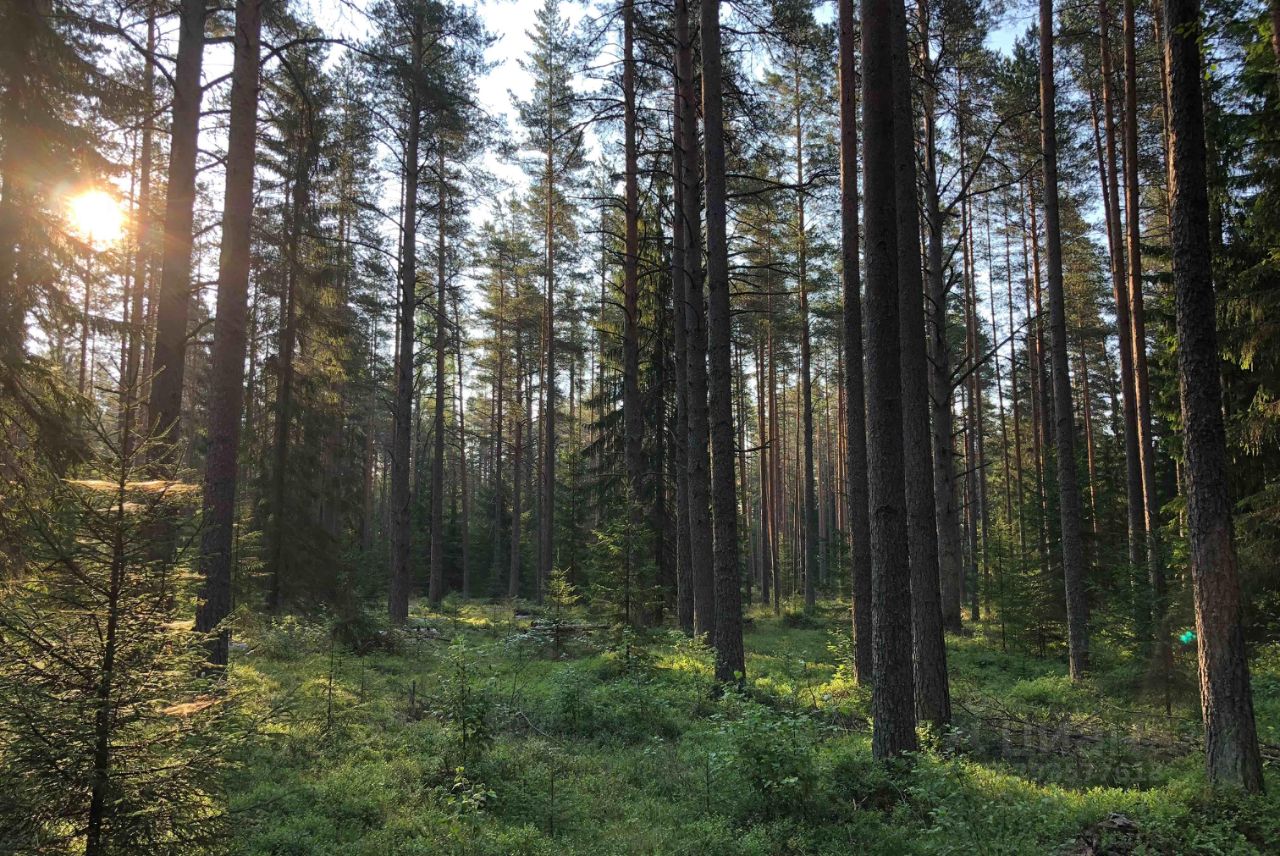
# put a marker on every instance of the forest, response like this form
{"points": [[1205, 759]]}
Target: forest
{"points": [[639, 426]]}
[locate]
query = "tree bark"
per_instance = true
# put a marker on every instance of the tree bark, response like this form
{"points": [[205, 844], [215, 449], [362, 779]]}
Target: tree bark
{"points": [[929, 651], [947, 509], [1231, 739], [517, 460], [855, 396], [1115, 240], [1138, 340], [226, 404], [435, 579], [700, 534], [174, 297], [681, 265], [143, 228], [300, 199], [401, 531], [633, 418], [892, 704], [1073, 565], [729, 656]]}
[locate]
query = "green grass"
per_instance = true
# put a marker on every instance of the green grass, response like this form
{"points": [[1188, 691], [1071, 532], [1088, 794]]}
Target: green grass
{"points": [[480, 739]]}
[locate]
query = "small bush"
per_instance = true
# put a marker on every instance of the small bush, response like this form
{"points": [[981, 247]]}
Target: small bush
{"points": [[772, 753], [290, 638]]}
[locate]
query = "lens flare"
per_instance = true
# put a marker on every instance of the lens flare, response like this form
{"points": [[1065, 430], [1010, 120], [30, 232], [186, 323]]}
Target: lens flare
{"points": [[96, 216]]}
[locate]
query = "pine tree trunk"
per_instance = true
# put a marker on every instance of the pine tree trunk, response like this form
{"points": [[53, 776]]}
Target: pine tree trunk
{"points": [[1138, 340], [633, 417], [300, 200], [435, 580], [946, 500], [499, 429], [855, 397], [143, 228], [729, 656], [174, 297], [700, 535], [806, 363], [682, 264], [226, 404], [1115, 240], [464, 480], [1231, 740], [517, 461], [401, 531], [929, 652], [892, 705], [1073, 565], [547, 507], [766, 510]]}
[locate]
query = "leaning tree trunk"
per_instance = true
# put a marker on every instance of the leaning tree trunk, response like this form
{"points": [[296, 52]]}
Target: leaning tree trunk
{"points": [[1231, 737], [226, 403], [1115, 240], [892, 704], [730, 660]]}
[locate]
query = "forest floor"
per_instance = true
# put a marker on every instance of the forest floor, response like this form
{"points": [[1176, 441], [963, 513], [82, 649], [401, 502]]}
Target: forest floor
{"points": [[477, 732]]}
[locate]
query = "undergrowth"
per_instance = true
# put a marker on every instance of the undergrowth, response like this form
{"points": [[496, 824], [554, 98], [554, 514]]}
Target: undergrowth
{"points": [[471, 733]]}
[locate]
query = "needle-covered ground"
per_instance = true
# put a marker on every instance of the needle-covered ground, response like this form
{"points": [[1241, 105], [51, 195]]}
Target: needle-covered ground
{"points": [[479, 732]]}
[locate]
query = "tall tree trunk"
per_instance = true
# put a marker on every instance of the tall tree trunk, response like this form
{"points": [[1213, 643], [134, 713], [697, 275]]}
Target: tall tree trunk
{"points": [[700, 534], [929, 652], [974, 474], [517, 459], [401, 530], [1035, 364], [1132, 457], [226, 404], [1231, 738], [300, 200], [950, 560], [174, 298], [766, 507], [633, 418], [143, 252], [855, 397], [464, 480], [1138, 340], [1073, 565], [682, 264], [435, 580], [730, 659], [547, 507], [776, 453], [892, 705], [499, 397], [806, 362]]}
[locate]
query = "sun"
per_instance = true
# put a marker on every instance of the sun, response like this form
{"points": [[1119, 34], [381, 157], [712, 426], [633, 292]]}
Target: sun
{"points": [[97, 217]]}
